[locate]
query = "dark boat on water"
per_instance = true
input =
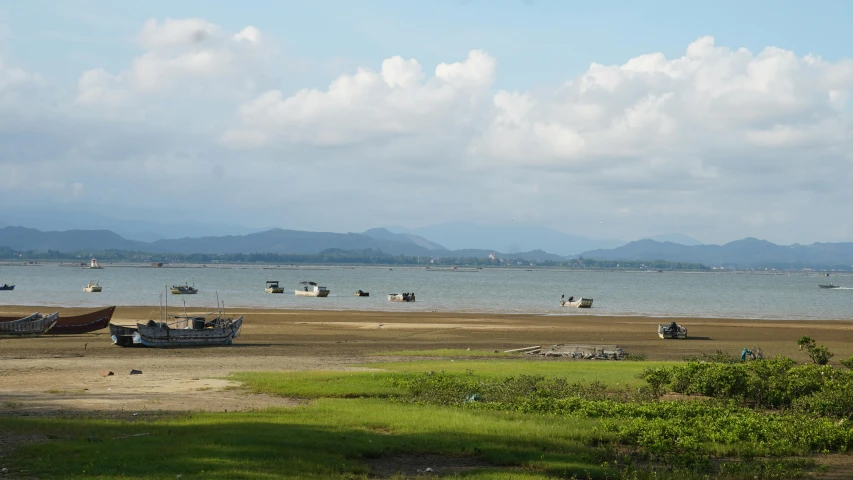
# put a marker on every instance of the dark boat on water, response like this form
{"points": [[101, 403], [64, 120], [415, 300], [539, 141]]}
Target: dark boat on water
{"points": [[31, 325], [831, 285], [184, 289], [88, 322], [361, 293], [6, 286]]}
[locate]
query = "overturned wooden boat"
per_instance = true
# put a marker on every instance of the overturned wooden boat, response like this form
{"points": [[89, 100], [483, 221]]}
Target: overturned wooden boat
{"points": [[672, 330], [93, 287], [88, 322], [186, 332], [272, 287], [312, 289], [31, 325], [361, 293], [401, 297], [579, 303]]}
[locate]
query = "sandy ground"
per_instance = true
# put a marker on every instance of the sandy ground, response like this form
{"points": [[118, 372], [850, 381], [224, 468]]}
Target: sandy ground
{"points": [[52, 375]]}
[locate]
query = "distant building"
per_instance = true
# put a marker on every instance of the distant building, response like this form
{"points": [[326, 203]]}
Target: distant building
{"points": [[157, 264]]}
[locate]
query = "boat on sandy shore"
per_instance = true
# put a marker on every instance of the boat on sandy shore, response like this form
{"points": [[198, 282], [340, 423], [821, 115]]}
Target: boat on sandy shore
{"points": [[672, 330], [401, 297], [72, 324], [85, 323], [311, 289], [831, 285], [579, 303], [31, 325], [94, 287], [272, 287]]}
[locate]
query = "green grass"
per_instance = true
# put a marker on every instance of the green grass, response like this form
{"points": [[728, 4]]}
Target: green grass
{"points": [[319, 384], [331, 438]]}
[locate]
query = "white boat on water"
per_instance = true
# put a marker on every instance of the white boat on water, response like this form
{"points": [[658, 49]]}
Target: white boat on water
{"points": [[93, 287], [401, 297], [273, 287], [579, 303], [93, 264], [672, 330], [311, 289]]}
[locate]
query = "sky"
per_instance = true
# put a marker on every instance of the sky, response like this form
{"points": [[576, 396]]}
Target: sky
{"points": [[611, 119]]}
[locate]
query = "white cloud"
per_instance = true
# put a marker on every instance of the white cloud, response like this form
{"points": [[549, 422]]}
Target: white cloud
{"points": [[368, 104], [189, 55]]}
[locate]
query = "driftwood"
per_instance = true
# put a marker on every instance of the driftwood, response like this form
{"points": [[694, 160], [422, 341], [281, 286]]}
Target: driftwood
{"points": [[132, 435], [522, 349]]}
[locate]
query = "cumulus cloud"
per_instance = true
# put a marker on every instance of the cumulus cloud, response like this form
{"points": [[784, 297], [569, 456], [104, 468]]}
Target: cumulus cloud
{"points": [[656, 144], [368, 104], [188, 54]]}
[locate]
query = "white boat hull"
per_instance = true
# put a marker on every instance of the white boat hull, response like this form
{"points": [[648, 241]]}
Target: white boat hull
{"points": [[580, 303], [274, 290], [312, 293], [92, 289]]}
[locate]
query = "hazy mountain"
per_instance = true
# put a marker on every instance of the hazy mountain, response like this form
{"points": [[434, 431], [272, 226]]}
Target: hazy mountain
{"points": [[514, 238], [746, 253], [677, 238], [23, 239], [383, 234], [139, 230]]}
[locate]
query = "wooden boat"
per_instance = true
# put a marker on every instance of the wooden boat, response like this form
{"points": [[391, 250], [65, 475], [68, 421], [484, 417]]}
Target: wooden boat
{"points": [[31, 325], [6, 286], [92, 287], [311, 289], [361, 293], [184, 289], [672, 330], [272, 287], [88, 322], [186, 332], [401, 297], [831, 285]]}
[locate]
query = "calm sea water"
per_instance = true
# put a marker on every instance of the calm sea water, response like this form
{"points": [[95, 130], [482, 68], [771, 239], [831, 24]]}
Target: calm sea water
{"points": [[739, 295]]}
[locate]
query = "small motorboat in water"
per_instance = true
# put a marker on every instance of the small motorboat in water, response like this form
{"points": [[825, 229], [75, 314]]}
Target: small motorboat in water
{"points": [[579, 303], [831, 285], [311, 289], [92, 287], [272, 287], [401, 297], [361, 293]]}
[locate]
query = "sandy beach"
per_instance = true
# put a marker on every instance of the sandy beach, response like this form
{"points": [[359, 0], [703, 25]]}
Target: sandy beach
{"points": [[52, 375]]}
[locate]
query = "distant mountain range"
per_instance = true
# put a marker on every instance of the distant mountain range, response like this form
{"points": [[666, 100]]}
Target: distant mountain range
{"points": [[511, 239], [270, 241], [746, 253]]}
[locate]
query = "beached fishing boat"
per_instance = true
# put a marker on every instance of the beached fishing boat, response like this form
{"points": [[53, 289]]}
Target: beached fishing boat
{"points": [[401, 297], [35, 324], [831, 285], [85, 323], [361, 293], [6, 286], [579, 303], [184, 331], [272, 287], [184, 289], [94, 287], [672, 330], [311, 289]]}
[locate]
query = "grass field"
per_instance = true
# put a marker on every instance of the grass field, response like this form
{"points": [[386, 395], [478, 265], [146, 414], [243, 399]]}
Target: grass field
{"points": [[369, 421]]}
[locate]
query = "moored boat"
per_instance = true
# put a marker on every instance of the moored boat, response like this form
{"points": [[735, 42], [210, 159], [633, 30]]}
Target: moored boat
{"points": [[6, 286], [184, 289], [273, 287], [831, 285], [579, 303], [401, 297], [31, 325], [94, 287], [361, 293], [93, 265], [672, 330], [311, 289]]}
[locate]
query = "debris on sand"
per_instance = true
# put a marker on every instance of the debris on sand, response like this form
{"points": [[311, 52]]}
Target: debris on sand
{"points": [[136, 372], [587, 352]]}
